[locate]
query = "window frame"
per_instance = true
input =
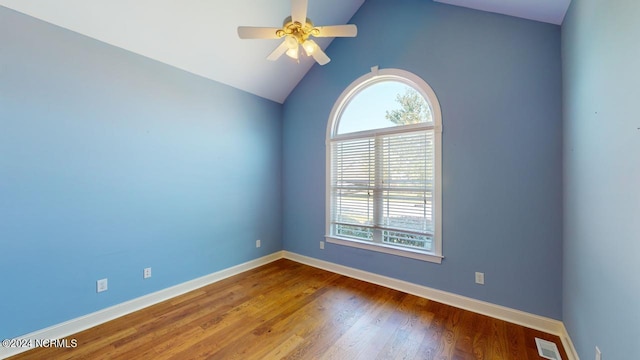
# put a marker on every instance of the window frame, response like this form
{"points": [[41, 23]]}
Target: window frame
{"points": [[376, 76]]}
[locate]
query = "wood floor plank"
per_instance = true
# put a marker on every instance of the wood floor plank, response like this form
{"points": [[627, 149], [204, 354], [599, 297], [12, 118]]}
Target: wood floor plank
{"points": [[359, 337], [287, 310], [335, 317], [376, 340]]}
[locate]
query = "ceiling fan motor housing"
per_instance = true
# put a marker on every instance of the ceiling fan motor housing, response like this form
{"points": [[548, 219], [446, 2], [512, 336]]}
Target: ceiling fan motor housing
{"points": [[300, 32]]}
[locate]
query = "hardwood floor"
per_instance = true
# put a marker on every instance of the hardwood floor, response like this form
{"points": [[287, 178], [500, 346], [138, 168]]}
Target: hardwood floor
{"points": [[289, 310]]}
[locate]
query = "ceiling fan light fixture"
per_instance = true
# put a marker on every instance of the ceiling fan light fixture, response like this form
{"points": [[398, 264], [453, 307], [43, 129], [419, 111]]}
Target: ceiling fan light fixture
{"points": [[293, 53], [309, 47], [291, 41]]}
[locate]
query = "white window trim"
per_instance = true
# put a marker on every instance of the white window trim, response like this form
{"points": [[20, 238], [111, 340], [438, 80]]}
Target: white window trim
{"points": [[378, 75]]}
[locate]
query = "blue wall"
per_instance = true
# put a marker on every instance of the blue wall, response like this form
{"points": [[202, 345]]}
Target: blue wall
{"points": [[498, 80], [601, 71], [111, 162]]}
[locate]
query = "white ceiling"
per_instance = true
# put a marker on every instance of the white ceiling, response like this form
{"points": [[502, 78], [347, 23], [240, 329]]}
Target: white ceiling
{"points": [[199, 36], [549, 11]]}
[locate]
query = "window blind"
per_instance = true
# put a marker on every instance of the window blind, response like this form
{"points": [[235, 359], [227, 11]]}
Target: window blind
{"points": [[382, 188]]}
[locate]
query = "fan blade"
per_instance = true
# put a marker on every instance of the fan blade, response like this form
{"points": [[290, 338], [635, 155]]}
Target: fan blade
{"points": [[281, 49], [348, 30], [299, 11], [248, 32], [318, 54]]}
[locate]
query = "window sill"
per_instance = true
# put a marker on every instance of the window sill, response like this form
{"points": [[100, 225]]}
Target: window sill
{"points": [[413, 254]]}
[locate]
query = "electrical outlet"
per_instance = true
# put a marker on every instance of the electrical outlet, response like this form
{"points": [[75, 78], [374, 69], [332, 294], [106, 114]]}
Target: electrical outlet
{"points": [[258, 243], [480, 278], [146, 273], [322, 245], [598, 354], [102, 285]]}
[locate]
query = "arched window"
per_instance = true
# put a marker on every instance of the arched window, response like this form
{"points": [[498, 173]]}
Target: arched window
{"points": [[384, 166]]}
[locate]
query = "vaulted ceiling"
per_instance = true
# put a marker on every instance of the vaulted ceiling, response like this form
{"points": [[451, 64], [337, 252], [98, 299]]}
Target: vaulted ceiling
{"points": [[200, 36], [549, 11]]}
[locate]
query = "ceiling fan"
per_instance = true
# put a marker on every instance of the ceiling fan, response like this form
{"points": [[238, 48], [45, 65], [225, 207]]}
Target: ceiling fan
{"points": [[297, 31]]}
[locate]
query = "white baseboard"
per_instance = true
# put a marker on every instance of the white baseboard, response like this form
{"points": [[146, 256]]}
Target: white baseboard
{"points": [[536, 322], [76, 325], [568, 344]]}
